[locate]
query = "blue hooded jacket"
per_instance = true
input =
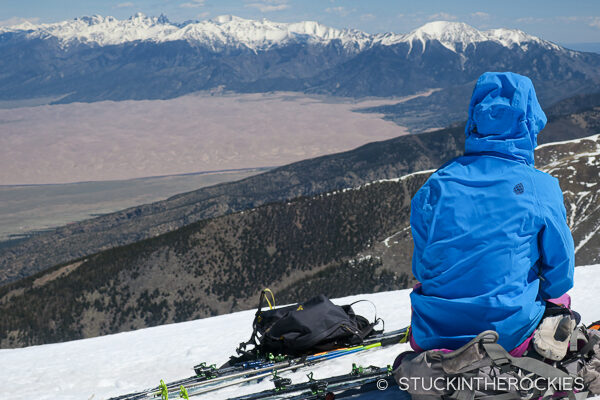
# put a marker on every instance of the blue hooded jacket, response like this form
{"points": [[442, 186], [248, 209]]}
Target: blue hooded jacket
{"points": [[488, 225]]}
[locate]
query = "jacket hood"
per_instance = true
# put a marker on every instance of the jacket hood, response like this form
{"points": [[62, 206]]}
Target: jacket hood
{"points": [[504, 116]]}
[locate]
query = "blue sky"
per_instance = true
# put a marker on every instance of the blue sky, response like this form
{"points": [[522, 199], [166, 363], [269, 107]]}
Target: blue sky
{"points": [[563, 21]]}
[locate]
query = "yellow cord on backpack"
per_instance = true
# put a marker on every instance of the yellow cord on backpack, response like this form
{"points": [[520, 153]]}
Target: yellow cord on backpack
{"points": [[265, 291]]}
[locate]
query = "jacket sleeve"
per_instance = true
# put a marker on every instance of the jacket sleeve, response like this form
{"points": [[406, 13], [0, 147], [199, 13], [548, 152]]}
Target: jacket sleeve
{"points": [[557, 251], [420, 218]]}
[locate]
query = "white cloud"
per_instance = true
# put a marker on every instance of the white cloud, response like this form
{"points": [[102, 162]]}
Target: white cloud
{"points": [[480, 14], [269, 5], [125, 5], [594, 22], [193, 4], [443, 16], [342, 11], [530, 20], [573, 19], [367, 17], [203, 15], [18, 20]]}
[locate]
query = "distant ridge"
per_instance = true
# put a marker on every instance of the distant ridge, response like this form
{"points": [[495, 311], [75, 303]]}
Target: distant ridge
{"points": [[229, 30], [593, 47], [100, 58]]}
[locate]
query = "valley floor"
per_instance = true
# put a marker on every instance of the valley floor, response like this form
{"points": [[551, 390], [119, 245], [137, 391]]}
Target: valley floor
{"points": [[28, 208], [112, 365], [198, 132]]}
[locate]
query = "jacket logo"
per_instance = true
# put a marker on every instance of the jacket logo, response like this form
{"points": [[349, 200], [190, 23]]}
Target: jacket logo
{"points": [[519, 189]]}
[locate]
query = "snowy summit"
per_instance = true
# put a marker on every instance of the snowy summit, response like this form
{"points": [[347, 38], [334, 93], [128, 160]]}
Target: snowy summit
{"points": [[224, 30], [458, 35], [232, 31]]}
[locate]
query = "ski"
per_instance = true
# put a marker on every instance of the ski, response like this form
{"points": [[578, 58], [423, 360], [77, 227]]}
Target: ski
{"points": [[290, 365], [360, 380], [210, 375]]}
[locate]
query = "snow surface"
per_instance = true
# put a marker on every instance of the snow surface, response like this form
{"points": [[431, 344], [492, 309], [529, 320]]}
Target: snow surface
{"points": [[230, 31], [112, 365]]}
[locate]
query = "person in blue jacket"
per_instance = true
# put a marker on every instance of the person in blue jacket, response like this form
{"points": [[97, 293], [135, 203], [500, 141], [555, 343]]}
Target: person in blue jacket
{"points": [[491, 241]]}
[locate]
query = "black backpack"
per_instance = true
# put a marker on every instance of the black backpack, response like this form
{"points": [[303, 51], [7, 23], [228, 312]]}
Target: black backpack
{"points": [[308, 327]]}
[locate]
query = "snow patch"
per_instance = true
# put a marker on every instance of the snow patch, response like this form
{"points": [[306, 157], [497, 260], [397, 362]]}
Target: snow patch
{"points": [[386, 241], [594, 138], [364, 185], [587, 238]]}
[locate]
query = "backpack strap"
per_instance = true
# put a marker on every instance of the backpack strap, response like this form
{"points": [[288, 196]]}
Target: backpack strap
{"points": [[498, 357], [504, 360], [537, 367], [483, 357], [366, 330], [241, 350], [469, 357], [574, 339]]}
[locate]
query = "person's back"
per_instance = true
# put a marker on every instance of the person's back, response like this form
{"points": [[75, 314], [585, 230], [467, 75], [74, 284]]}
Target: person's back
{"points": [[488, 225]]}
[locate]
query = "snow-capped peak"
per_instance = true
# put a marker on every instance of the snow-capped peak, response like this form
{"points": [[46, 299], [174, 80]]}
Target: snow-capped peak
{"points": [[23, 26], [448, 32], [100, 30], [229, 30], [217, 32], [453, 34]]}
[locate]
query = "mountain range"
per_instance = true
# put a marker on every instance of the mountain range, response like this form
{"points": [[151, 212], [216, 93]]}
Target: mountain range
{"points": [[227, 31], [103, 58]]}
